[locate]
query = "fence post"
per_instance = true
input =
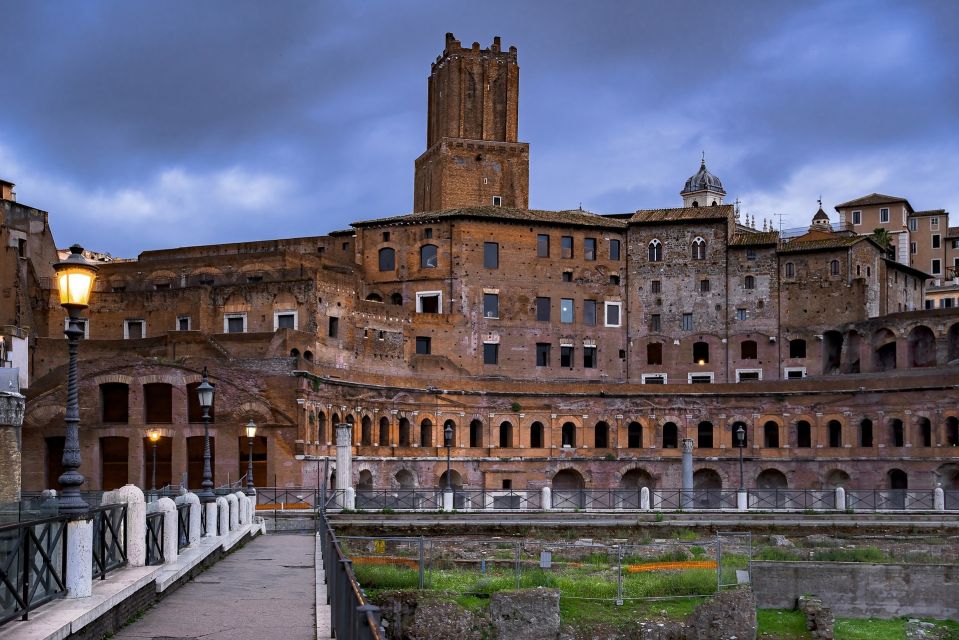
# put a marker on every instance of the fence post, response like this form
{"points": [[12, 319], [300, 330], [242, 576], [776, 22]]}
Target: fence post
{"points": [[136, 523], [194, 501], [840, 499], [547, 499], [222, 516], [644, 498], [422, 561], [233, 511], [516, 554], [939, 498], [211, 519], [349, 498], [168, 508], [447, 501], [79, 579], [619, 575], [742, 500]]}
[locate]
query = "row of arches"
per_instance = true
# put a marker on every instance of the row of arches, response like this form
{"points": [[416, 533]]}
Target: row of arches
{"points": [[638, 434], [917, 347]]}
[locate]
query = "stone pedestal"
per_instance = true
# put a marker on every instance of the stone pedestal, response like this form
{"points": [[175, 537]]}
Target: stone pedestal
{"points": [[686, 497], [167, 507], [79, 578], [547, 499], [344, 462], [11, 418]]}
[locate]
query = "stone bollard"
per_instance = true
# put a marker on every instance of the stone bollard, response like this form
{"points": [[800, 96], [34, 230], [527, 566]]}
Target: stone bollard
{"points": [[223, 516], [233, 511], [644, 498], [742, 501], [447, 501], [242, 503], [546, 498], [167, 507], [840, 499], [349, 498], [211, 519], [136, 522], [195, 522], [939, 499], [79, 578]]}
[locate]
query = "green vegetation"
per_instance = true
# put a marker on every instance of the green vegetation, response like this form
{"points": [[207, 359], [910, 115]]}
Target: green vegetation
{"points": [[863, 554], [782, 624], [785, 624]]}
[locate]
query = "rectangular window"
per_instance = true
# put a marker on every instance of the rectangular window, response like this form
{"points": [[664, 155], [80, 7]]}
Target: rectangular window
{"points": [[589, 248], [955, 244], [542, 354], [795, 373], [567, 276], [654, 378], [654, 353], [687, 322], [491, 255], [566, 247], [429, 301], [589, 357], [884, 215], [704, 286], [566, 357], [948, 303], [566, 310], [284, 319], [234, 323], [913, 248], [656, 322], [655, 286], [497, 201], [614, 278], [614, 249], [936, 267], [490, 305], [857, 217], [542, 245], [490, 353], [936, 241], [333, 330], [747, 375], [913, 224], [934, 223], [542, 309], [423, 346], [700, 378], [750, 254], [740, 314], [183, 323], [427, 233], [613, 314], [589, 312], [134, 329]]}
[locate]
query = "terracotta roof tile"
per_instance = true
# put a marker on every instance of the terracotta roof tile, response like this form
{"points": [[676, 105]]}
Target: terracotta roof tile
{"points": [[930, 212], [953, 232], [755, 239], [682, 214], [839, 242], [572, 218], [871, 199]]}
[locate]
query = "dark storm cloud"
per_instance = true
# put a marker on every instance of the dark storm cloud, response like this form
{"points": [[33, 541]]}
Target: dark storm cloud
{"points": [[143, 124]]}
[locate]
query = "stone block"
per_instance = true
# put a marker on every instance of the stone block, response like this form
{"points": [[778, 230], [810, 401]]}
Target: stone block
{"points": [[526, 614]]}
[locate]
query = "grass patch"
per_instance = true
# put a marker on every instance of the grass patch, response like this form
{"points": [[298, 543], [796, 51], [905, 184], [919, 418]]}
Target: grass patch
{"points": [[781, 624], [778, 554], [864, 554], [875, 629]]}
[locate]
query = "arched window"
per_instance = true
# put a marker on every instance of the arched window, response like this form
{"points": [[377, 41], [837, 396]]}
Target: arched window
{"points": [[428, 256], [771, 435], [405, 436], [790, 270], [670, 436], [699, 249], [506, 434], [700, 353], [655, 251], [321, 428], [835, 433], [898, 436], [748, 350], [536, 435], [834, 268], [449, 424], [865, 433], [387, 259], [749, 282], [569, 434], [396, 298], [634, 435], [426, 433], [803, 434], [374, 297], [601, 433], [704, 435], [476, 433], [384, 439], [740, 428]]}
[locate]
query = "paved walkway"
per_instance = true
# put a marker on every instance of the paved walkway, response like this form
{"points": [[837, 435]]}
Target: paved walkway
{"points": [[264, 590]]}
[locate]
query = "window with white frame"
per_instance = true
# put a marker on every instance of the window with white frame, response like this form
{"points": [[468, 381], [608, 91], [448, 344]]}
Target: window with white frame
{"points": [[429, 302], [884, 215], [700, 378], [654, 378], [134, 329], [934, 223], [794, 373], [857, 217], [234, 323], [936, 241], [84, 324], [748, 375], [913, 224], [285, 319], [614, 314], [183, 323]]}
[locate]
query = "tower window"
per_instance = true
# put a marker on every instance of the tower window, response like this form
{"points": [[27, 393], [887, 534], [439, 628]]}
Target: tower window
{"points": [[491, 255], [655, 251]]}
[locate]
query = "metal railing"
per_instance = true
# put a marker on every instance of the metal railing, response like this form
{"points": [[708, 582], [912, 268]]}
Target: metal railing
{"points": [[31, 506], [791, 499], [351, 614], [154, 538], [182, 525], [109, 539], [33, 561], [890, 500]]}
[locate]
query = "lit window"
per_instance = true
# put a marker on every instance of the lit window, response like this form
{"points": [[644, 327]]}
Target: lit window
{"points": [[566, 310]]}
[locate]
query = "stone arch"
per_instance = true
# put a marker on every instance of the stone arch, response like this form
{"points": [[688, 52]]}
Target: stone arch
{"points": [[426, 432], [384, 432], [837, 478], [771, 479], [897, 432], [834, 433], [851, 364], [374, 297], [567, 487], [321, 428], [804, 433], [897, 479], [952, 431], [455, 479], [404, 479], [771, 434], [637, 478], [364, 480], [949, 479], [952, 343], [670, 435], [921, 343], [705, 435], [923, 431], [831, 351], [884, 350], [506, 434], [406, 432], [396, 298], [294, 353], [866, 436], [707, 488]]}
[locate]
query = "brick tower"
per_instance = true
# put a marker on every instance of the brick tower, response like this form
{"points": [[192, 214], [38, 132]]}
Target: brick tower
{"points": [[472, 157]]}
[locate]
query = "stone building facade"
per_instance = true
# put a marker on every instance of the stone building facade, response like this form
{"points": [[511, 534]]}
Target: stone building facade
{"points": [[563, 348]]}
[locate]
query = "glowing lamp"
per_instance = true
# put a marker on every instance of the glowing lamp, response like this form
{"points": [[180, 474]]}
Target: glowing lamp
{"points": [[250, 430], [75, 278]]}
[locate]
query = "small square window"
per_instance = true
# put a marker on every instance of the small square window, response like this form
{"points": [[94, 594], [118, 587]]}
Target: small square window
{"points": [[614, 278], [235, 324], [566, 246], [183, 323], [567, 276], [134, 329], [428, 233], [613, 314], [542, 309], [566, 310], [490, 353], [386, 236], [542, 354], [614, 248], [566, 357], [857, 217], [740, 314], [491, 255], [423, 346], [750, 254], [284, 320], [346, 246], [589, 312], [589, 357], [934, 223], [497, 201]]}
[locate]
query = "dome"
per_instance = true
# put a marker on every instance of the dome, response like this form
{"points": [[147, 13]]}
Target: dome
{"points": [[703, 181]]}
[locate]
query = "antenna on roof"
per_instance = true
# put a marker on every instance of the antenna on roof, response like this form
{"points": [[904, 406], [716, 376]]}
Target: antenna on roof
{"points": [[780, 216], [704, 157], [820, 201], [580, 206]]}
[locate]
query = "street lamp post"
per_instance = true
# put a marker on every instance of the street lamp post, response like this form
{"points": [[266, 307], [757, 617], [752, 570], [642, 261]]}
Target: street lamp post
{"points": [[250, 434], [448, 441], [204, 392], [75, 278], [741, 437], [154, 438]]}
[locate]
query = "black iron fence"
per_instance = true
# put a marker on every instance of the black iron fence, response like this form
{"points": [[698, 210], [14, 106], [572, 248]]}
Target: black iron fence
{"points": [[32, 506], [154, 538], [890, 500], [109, 539], [182, 525], [33, 560], [351, 614]]}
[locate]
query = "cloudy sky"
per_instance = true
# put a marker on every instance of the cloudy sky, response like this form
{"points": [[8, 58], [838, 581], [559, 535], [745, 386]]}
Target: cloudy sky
{"points": [[143, 125]]}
